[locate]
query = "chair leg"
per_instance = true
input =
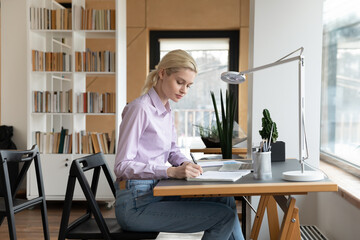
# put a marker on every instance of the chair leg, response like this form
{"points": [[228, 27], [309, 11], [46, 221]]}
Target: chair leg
{"points": [[2, 217], [9, 209], [67, 208], [45, 220], [11, 225]]}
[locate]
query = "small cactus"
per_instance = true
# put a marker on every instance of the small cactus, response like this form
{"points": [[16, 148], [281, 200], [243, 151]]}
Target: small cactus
{"points": [[266, 127]]}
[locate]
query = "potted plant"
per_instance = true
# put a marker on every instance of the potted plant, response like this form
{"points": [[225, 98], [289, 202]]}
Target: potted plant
{"points": [[277, 147], [267, 124], [225, 125], [209, 135]]}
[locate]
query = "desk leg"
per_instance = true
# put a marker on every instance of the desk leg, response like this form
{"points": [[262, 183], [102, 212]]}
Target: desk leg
{"points": [[290, 227], [259, 217], [273, 219]]}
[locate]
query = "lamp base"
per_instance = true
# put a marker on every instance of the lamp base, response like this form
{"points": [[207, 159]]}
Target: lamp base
{"points": [[304, 176]]}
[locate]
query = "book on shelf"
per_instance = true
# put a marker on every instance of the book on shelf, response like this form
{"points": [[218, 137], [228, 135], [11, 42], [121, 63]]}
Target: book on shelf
{"points": [[52, 101], [93, 102], [105, 142], [84, 144], [101, 144], [50, 19], [78, 21], [112, 142], [68, 146], [94, 19], [95, 61], [63, 132], [53, 142], [77, 142], [91, 147], [51, 61], [93, 142], [53, 19]]}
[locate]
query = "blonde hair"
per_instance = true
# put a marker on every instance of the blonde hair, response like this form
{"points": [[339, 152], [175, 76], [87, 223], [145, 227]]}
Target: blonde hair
{"points": [[172, 62]]}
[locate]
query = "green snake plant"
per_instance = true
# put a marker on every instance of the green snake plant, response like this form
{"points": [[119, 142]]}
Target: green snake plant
{"points": [[225, 125]]}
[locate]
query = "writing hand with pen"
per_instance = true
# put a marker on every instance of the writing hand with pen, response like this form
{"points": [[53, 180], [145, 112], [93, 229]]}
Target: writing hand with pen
{"points": [[185, 170]]}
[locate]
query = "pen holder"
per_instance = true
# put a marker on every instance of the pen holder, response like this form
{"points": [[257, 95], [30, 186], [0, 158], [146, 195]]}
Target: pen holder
{"points": [[262, 165]]}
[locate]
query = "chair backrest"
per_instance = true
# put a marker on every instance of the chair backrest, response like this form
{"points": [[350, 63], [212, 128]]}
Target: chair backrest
{"points": [[8, 204], [94, 162], [86, 227], [78, 168], [26, 156]]}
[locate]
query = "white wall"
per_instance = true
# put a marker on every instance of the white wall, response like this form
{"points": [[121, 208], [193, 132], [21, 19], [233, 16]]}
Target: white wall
{"points": [[277, 28], [280, 27], [14, 69]]}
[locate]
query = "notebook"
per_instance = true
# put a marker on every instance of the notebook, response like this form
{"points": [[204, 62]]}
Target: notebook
{"points": [[236, 166], [228, 165], [220, 176]]}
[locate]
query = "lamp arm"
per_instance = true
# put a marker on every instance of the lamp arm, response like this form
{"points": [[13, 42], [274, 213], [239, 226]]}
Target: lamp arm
{"points": [[303, 147], [279, 62]]}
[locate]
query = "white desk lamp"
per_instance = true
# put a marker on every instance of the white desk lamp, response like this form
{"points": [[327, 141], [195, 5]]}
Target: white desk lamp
{"points": [[239, 77]]}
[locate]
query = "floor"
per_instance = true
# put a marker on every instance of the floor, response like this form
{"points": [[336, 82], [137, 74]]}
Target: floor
{"points": [[29, 224]]}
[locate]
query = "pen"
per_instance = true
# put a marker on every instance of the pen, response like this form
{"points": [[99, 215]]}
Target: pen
{"points": [[261, 146], [271, 132], [192, 157]]}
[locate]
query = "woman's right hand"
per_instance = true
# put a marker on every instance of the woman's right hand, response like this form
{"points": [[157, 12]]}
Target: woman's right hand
{"points": [[186, 170]]}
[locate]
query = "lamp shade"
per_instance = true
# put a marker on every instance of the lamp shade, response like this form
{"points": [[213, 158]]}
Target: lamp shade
{"points": [[232, 77]]}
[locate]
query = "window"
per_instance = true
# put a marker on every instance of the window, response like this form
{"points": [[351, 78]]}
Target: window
{"points": [[212, 52], [340, 114]]}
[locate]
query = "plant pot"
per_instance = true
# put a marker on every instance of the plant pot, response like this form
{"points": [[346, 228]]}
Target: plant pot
{"points": [[214, 143], [210, 142], [278, 151]]}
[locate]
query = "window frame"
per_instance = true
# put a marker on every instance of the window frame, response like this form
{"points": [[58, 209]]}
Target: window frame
{"points": [[331, 48], [234, 43]]}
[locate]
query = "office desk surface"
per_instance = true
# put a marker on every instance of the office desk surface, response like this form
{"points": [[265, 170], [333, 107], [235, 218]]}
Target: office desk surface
{"points": [[247, 185]]}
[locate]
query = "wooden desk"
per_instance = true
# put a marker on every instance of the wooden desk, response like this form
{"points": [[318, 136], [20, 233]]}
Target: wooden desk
{"points": [[218, 150], [272, 192]]}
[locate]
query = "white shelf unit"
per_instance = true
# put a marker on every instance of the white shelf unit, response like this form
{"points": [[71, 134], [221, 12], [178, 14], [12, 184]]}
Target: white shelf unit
{"points": [[55, 167]]}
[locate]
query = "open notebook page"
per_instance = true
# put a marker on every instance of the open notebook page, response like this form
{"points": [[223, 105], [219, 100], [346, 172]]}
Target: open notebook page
{"points": [[215, 163], [220, 176]]}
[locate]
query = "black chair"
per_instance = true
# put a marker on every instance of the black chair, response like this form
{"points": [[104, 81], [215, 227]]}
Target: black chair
{"points": [[86, 226], [9, 204]]}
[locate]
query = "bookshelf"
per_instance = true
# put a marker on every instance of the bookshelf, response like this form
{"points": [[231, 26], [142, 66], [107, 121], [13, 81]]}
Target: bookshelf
{"points": [[75, 85]]}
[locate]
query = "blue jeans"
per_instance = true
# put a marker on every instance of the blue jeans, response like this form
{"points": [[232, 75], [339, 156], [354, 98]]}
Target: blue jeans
{"points": [[138, 210]]}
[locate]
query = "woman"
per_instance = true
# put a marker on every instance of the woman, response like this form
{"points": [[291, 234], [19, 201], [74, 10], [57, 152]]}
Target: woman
{"points": [[146, 142]]}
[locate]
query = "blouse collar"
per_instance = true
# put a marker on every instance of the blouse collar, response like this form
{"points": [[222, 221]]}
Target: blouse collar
{"points": [[160, 107]]}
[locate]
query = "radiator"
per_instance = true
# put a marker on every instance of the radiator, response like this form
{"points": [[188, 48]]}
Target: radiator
{"points": [[311, 233]]}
